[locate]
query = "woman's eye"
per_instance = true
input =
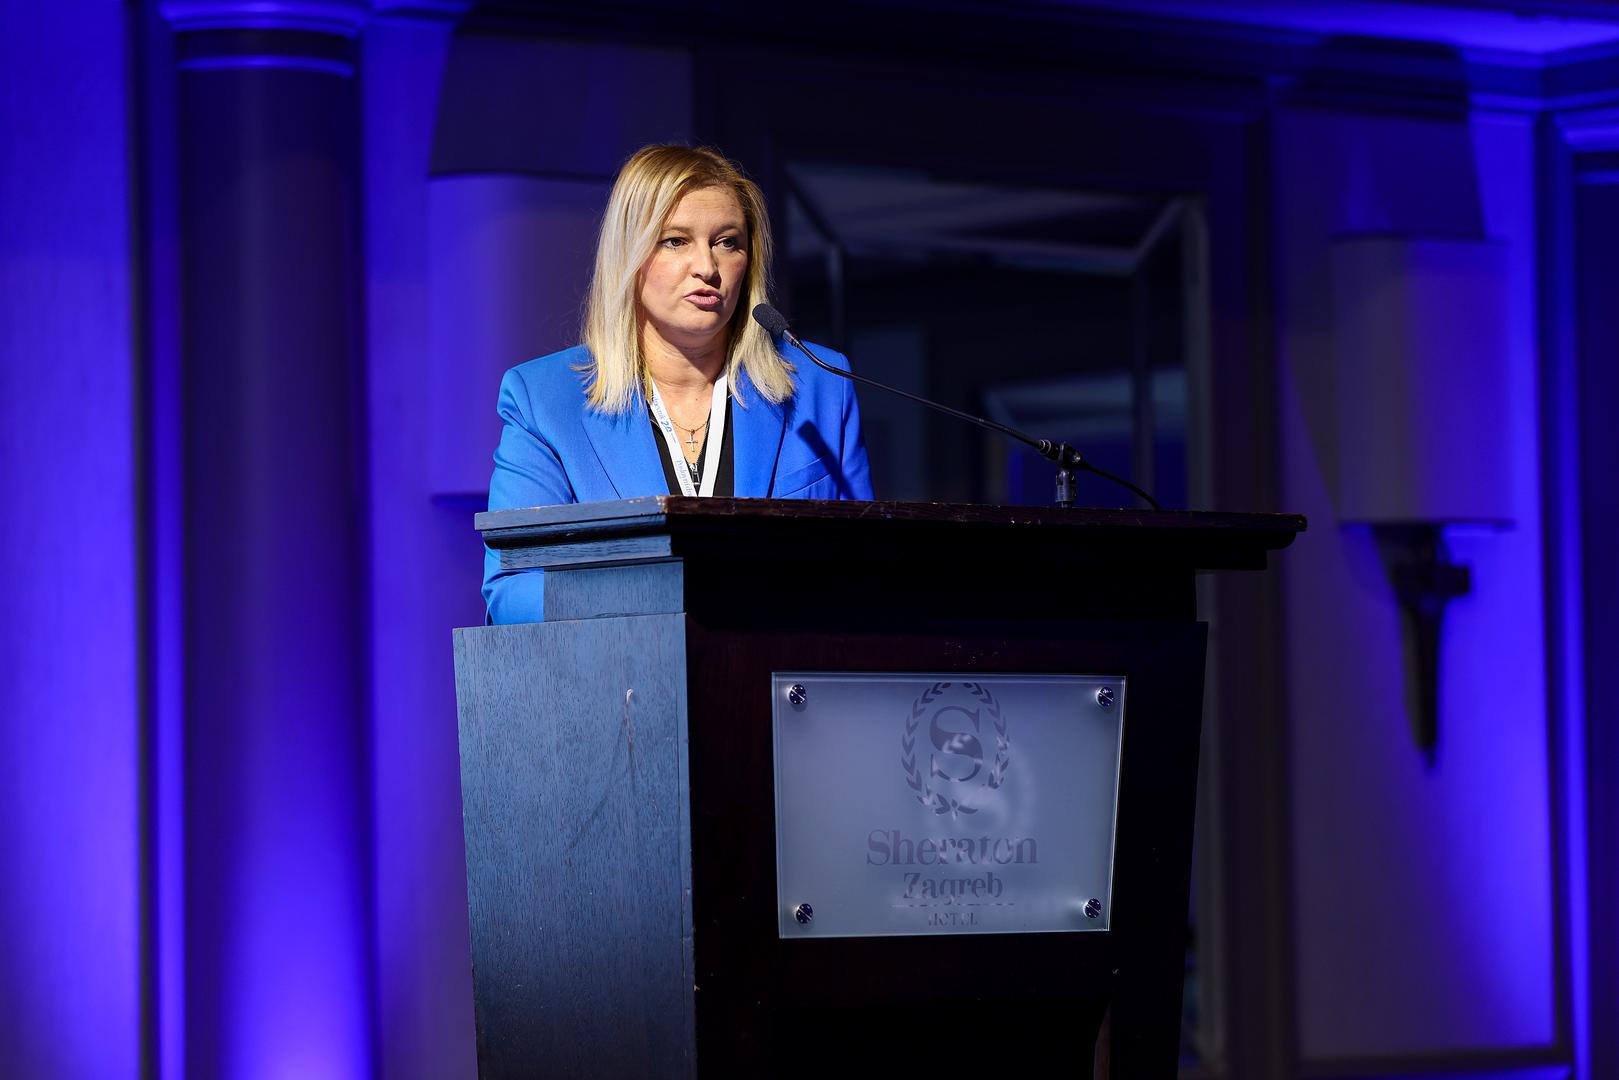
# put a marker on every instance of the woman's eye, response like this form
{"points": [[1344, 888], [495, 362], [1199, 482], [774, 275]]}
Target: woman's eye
{"points": [[672, 241], [729, 243]]}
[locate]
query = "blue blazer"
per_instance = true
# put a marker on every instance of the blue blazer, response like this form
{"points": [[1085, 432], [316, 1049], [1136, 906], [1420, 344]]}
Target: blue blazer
{"points": [[555, 449]]}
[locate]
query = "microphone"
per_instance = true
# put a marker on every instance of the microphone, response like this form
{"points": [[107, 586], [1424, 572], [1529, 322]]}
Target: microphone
{"points": [[1065, 457]]}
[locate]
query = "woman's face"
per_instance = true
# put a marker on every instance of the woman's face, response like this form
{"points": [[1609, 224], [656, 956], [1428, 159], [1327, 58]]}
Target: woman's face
{"points": [[695, 276]]}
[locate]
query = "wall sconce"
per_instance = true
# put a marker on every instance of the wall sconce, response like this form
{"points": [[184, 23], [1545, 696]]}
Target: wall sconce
{"points": [[1419, 329]]}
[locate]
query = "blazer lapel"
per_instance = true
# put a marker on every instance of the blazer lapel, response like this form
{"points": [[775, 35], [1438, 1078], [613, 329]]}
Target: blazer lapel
{"points": [[624, 447], [758, 434]]}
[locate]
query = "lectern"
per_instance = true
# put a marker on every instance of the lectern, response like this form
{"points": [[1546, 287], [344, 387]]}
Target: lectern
{"points": [[816, 788]]}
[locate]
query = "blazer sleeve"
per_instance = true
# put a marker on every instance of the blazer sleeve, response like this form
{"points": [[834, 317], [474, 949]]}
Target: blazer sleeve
{"points": [[528, 472], [852, 453]]}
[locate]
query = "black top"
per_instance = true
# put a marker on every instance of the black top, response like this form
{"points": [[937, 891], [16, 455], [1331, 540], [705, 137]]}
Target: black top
{"points": [[724, 482]]}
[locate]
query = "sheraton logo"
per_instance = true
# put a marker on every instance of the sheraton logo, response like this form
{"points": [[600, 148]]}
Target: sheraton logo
{"points": [[997, 820], [955, 753], [891, 847], [955, 771]]}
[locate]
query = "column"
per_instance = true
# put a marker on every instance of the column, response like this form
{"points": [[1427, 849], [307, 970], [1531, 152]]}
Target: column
{"points": [[278, 938]]}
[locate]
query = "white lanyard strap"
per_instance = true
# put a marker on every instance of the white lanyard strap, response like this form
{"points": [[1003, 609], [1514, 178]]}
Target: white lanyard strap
{"points": [[715, 440]]}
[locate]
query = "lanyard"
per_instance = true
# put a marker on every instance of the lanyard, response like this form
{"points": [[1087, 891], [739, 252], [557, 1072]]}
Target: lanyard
{"points": [[677, 456]]}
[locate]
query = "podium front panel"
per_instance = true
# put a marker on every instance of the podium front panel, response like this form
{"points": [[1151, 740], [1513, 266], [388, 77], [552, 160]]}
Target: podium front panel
{"points": [[627, 882], [944, 804]]}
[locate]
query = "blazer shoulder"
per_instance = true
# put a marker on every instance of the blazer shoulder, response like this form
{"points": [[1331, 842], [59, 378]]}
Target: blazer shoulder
{"points": [[554, 369], [814, 384], [825, 352], [547, 383]]}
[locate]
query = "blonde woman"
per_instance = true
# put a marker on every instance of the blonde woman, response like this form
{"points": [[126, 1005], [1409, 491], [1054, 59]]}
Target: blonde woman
{"points": [[675, 390]]}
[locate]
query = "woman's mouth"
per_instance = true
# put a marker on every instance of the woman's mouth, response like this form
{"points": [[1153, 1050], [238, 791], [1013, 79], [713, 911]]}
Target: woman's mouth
{"points": [[708, 301]]}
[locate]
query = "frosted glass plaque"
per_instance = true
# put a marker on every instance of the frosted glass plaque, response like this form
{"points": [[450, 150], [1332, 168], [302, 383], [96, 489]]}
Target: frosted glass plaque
{"points": [[945, 804]]}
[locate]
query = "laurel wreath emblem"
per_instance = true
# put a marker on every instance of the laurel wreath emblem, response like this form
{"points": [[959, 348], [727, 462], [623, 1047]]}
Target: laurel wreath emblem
{"points": [[937, 801]]}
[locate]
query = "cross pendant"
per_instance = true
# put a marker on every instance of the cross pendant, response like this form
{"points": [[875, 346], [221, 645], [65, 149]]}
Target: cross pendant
{"points": [[691, 441]]}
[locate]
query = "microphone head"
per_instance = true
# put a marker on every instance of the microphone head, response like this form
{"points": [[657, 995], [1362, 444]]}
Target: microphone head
{"points": [[771, 319]]}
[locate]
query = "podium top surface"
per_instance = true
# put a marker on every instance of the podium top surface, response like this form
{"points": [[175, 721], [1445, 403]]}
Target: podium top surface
{"points": [[594, 533]]}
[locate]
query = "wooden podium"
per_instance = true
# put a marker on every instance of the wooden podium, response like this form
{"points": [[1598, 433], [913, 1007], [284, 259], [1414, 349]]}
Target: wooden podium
{"points": [[619, 801]]}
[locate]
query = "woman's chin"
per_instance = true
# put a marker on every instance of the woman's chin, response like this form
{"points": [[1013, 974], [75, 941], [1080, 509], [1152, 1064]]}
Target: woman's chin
{"points": [[694, 333]]}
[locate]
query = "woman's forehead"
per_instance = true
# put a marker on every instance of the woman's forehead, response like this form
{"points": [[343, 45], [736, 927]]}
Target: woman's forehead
{"points": [[707, 201]]}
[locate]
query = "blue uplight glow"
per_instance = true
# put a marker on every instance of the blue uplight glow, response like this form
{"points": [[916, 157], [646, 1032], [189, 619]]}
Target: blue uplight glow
{"points": [[70, 982]]}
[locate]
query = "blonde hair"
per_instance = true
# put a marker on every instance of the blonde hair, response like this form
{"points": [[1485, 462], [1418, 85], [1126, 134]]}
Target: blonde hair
{"points": [[649, 186]]}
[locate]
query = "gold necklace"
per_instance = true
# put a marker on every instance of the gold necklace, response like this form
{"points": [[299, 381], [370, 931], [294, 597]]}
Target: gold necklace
{"points": [[691, 441]]}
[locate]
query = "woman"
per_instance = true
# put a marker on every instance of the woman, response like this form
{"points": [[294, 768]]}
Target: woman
{"points": [[675, 390]]}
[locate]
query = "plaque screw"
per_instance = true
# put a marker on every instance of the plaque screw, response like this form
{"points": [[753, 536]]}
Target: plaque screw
{"points": [[804, 913], [798, 695], [1104, 697], [1093, 908]]}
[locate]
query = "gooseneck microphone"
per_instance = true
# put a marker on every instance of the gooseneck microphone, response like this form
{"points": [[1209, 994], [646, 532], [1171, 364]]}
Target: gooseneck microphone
{"points": [[1065, 457]]}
